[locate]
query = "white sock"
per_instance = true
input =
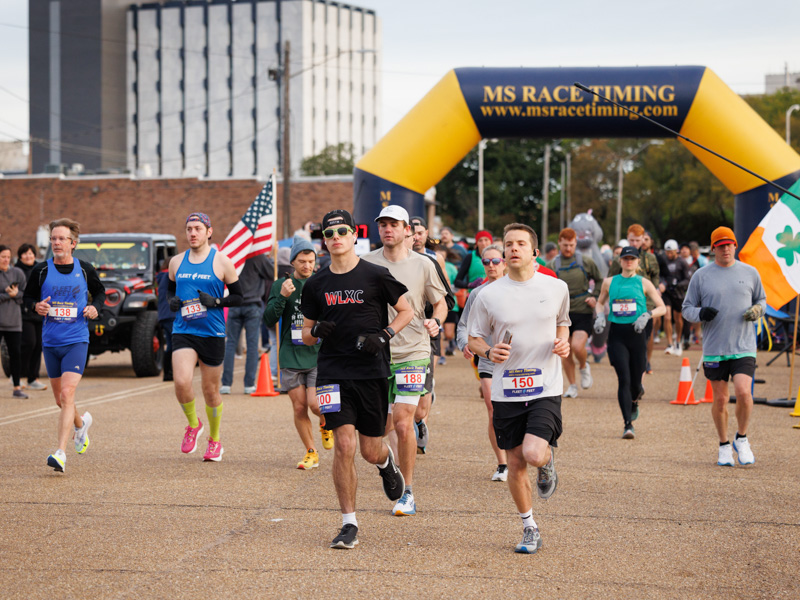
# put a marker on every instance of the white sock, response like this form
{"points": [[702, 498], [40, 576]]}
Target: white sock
{"points": [[386, 463], [527, 519], [349, 518], [60, 452]]}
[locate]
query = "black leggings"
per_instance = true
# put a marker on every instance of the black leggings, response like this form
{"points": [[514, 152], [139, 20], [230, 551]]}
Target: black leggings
{"points": [[627, 351], [31, 350], [12, 343]]}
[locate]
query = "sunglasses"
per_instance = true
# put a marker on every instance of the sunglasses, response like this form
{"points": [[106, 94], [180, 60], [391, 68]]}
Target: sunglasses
{"points": [[492, 261], [342, 231]]}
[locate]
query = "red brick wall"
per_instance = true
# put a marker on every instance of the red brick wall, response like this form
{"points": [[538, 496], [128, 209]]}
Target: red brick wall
{"points": [[103, 205]]}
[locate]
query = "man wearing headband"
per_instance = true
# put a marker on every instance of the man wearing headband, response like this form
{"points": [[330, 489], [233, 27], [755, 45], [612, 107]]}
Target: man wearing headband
{"points": [[727, 297], [197, 283], [346, 305]]}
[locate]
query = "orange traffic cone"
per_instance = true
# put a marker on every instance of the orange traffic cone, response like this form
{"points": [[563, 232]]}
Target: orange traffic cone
{"points": [[264, 386], [708, 396], [685, 390]]}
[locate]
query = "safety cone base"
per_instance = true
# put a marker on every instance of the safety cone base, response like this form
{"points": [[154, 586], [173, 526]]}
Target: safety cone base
{"points": [[264, 385], [708, 397], [685, 394]]}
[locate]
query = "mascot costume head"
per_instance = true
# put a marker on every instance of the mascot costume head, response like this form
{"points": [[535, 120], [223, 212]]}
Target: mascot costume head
{"points": [[590, 235]]}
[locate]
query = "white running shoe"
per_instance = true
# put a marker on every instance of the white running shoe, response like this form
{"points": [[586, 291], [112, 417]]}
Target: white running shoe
{"points": [[743, 451], [669, 350], [501, 474], [586, 377], [406, 506], [572, 391], [677, 350], [249, 389], [725, 456], [225, 389], [82, 435]]}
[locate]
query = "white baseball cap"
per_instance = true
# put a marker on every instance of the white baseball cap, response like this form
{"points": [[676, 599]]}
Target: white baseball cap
{"points": [[671, 245], [393, 211]]}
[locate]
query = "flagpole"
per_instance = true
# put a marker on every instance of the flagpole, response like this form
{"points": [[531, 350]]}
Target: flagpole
{"points": [[796, 411]]}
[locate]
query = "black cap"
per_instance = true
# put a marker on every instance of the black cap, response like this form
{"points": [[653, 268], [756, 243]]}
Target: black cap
{"points": [[629, 251], [418, 221], [338, 217]]}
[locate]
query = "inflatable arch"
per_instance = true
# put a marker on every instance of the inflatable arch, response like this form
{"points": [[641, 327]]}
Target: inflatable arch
{"points": [[469, 104]]}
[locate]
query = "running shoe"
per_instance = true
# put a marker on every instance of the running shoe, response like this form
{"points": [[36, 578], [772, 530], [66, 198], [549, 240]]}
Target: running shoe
{"points": [[406, 506], [225, 389], [327, 437], [441, 361], [393, 482], [677, 350], [421, 450], [572, 391], [669, 350], [531, 541], [20, 394], [189, 443], [635, 411], [501, 474], [686, 344], [725, 456], [214, 451], [422, 433], [629, 433], [347, 538], [547, 479], [586, 377], [249, 389], [310, 461], [57, 460], [743, 451], [36, 385], [81, 436]]}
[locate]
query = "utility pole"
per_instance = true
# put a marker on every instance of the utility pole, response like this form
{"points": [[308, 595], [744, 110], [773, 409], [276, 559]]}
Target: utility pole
{"points": [[287, 163], [545, 195]]}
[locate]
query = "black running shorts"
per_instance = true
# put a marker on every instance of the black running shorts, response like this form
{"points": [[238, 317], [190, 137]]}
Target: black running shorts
{"points": [[210, 350], [725, 369], [365, 404], [581, 322], [540, 417]]}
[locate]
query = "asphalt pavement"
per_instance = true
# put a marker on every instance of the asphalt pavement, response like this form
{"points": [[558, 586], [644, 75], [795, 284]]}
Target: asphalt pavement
{"points": [[653, 517]]}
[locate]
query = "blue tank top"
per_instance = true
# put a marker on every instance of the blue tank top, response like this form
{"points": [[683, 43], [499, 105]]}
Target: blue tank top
{"points": [[194, 318], [626, 297], [69, 295]]}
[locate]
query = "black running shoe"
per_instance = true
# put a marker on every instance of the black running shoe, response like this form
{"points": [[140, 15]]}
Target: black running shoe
{"points": [[347, 537], [547, 479], [393, 482]]}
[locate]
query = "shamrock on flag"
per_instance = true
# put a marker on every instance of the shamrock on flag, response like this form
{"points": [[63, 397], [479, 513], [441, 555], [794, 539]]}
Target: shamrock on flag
{"points": [[774, 250]]}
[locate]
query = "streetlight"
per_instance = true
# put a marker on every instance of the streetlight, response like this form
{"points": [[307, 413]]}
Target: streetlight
{"points": [[792, 108], [622, 161]]}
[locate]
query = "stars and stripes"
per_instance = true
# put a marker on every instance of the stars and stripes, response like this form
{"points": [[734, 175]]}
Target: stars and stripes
{"points": [[255, 233]]}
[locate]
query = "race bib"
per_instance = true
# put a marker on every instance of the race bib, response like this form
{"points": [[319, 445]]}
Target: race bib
{"points": [[410, 380], [297, 334], [522, 382], [329, 399], [192, 309], [63, 312], [623, 308]]}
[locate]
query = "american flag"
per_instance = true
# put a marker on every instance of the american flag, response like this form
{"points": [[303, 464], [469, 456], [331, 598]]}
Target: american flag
{"points": [[255, 233]]}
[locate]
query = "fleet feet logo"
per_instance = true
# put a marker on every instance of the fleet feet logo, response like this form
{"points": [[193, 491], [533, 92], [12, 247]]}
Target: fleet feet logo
{"points": [[791, 244]]}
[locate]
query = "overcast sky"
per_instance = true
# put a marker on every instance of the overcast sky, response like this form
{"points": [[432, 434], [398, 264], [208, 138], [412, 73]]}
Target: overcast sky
{"points": [[741, 40]]}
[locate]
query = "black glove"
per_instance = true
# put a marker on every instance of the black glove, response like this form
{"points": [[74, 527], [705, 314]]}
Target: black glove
{"points": [[374, 342], [175, 304], [323, 329], [708, 313], [207, 300]]}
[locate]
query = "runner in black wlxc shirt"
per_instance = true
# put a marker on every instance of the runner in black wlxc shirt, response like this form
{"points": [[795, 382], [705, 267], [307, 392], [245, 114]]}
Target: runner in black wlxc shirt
{"points": [[346, 305]]}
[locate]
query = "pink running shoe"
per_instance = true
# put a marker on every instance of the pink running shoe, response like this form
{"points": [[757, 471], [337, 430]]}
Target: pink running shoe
{"points": [[189, 444], [214, 451]]}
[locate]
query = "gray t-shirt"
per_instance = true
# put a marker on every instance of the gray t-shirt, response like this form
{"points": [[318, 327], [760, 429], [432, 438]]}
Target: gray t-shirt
{"points": [[731, 290], [531, 311], [484, 364]]}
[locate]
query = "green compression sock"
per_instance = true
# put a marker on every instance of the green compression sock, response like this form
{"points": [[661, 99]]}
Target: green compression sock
{"points": [[191, 413], [214, 414]]}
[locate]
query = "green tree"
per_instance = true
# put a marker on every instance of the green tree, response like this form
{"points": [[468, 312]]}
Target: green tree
{"points": [[333, 160], [772, 108]]}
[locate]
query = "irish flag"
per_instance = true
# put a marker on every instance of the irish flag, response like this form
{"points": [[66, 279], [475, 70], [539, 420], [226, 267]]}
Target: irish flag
{"points": [[774, 249]]}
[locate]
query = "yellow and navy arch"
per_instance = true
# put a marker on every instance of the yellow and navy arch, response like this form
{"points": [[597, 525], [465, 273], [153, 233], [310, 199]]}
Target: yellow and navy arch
{"points": [[469, 104]]}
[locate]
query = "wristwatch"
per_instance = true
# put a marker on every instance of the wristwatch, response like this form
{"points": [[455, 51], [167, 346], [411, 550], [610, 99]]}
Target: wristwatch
{"points": [[390, 331], [216, 301], [487, 353]]}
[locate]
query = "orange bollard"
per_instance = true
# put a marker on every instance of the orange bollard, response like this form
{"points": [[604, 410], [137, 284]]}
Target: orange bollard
{"points": [[708, 396], [264, 385], [685, 390]]}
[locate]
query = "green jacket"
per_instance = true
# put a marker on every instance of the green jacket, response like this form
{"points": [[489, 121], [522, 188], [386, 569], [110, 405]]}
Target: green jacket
{"points": [[577, 277], [293, 354]]}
